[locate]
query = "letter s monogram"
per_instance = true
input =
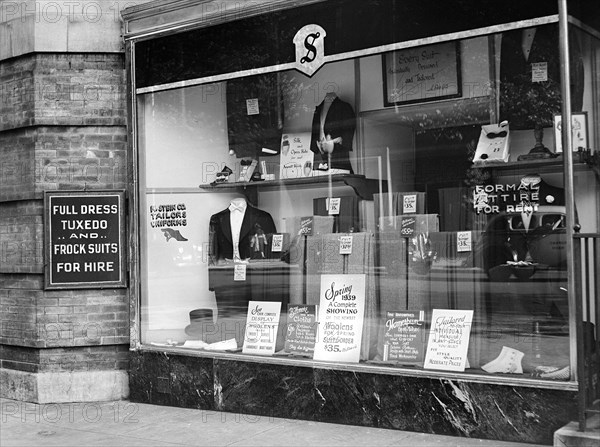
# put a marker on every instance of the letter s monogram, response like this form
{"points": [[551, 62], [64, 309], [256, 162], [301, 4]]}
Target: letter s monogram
{"points": [[312, 51]]}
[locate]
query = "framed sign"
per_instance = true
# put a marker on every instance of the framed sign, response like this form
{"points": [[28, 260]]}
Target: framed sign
{"points": [[422, 74], [85, 239], [579, 131]]}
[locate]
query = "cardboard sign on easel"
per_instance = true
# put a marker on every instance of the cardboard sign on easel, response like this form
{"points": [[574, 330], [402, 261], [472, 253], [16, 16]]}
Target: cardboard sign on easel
{"points": [[493, 145]]}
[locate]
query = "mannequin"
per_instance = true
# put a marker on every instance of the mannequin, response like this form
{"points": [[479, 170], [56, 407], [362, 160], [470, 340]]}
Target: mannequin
{"points": [[233, 237], [333, 129], [524, 102], [232, 230]]}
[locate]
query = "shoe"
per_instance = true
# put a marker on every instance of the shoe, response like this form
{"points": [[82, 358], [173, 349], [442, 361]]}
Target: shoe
{"points": [[508, 362]]}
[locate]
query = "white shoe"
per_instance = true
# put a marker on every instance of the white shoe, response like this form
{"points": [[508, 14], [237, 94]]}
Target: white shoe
{"points": [[508, 362]]}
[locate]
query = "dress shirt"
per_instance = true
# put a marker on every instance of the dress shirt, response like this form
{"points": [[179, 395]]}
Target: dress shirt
{"points": [[527, 42], [237, 209]]}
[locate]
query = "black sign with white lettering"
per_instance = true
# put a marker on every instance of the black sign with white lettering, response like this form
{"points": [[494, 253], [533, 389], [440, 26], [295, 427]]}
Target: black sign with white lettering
{"points": [[85, 240]]}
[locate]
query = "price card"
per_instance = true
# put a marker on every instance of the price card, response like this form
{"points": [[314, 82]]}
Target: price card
{"points": [[277, 243], [334, 206], [463, 241], [407, 226], [239, 272], [346, 245], [409, 204], [306, 226]]}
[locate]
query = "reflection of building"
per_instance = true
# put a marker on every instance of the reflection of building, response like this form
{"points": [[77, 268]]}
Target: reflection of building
{"points": [[406, 154]]}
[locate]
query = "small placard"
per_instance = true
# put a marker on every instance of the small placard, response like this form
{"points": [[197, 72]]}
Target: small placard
{"points": [[306, 226], [404, 337], [296, 159], [252, 106], [448, 339], [539, 72], [262, 323], [346, 245], [239, 272], [409, 204], [463, 241], [301, 330], [277, 243], [334, 206], [407, 226]]}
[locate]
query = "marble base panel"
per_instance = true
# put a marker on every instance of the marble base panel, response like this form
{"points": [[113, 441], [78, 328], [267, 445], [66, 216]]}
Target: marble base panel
{"points": [[427, 405]]}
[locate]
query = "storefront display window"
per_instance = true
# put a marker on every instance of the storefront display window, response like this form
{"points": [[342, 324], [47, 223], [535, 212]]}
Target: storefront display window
{"points": [[400, 208]]}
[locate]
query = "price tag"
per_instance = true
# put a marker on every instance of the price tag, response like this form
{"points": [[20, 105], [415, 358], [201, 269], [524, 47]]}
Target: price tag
{"points": [[463, 241], [346, 245], [409, 204], [334, 206], [239, 272], [407, 227], [306, 226], [277, 243]]}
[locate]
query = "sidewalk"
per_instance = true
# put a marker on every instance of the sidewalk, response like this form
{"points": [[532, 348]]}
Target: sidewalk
{"points": [[124, 423]]}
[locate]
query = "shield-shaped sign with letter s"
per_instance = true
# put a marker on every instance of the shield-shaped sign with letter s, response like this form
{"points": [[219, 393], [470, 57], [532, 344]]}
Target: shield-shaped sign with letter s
{"points": [[310, 47]]}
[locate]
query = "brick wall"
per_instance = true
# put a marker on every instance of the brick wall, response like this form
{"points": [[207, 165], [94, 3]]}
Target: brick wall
{"points": [[62, 89], [62, 127], [21, 237], [64, 359], [61, 318]]}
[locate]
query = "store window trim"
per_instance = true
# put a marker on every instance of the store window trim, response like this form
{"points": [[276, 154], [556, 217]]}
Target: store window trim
{"points": [[401, 371]]}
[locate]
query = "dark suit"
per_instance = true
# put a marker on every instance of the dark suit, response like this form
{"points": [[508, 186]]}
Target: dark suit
{"points": [[525, 103], [339, 122], [220, 239], [232, 296]]}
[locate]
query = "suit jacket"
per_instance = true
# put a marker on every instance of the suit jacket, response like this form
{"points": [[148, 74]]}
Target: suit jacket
{"points": [[519, 96], [220, 238], [339, 122]]}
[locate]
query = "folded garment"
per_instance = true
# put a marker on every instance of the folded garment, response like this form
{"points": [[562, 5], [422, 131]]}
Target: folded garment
{"points": [[195, 344], [225, 345]]}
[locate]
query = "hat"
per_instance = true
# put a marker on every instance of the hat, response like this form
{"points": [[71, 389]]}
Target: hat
{"points": [[203, 327]]}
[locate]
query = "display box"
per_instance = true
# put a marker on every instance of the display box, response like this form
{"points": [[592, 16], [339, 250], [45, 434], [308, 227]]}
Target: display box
{"points": [[399, 203], [457, 248], [346, 218]]}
